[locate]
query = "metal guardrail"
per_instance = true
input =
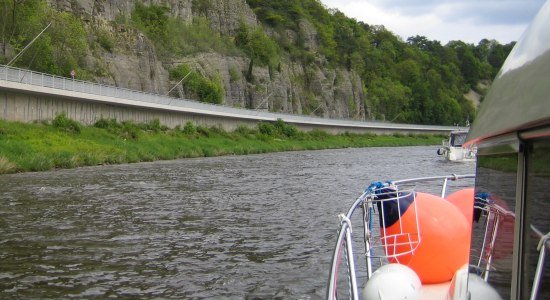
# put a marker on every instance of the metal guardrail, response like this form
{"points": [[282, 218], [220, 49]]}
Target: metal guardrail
{"points": [[67, 84]]}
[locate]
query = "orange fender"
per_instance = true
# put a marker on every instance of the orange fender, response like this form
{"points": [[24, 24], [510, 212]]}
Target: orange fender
{"points": [[464, 201], [444, 239]]}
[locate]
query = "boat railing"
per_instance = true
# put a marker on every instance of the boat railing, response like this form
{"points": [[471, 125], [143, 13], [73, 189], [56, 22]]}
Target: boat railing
{"points": [[543, 246], [392, 245], [495, 214]]}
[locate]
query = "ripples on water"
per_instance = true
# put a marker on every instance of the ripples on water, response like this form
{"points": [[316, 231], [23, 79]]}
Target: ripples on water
{"points": [[259, 226]]}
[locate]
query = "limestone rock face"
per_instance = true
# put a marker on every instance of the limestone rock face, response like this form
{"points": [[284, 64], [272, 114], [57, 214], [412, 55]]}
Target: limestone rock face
{"points": [[292, 88]]}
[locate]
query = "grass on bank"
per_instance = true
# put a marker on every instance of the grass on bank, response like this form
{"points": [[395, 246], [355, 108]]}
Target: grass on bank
{"points": [[64, 143]]}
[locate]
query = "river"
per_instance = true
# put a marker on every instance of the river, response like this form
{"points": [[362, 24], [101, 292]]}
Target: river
{"points": [[257, 226]]}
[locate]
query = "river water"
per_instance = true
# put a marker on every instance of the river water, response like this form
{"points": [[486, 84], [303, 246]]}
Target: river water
{"points": [[258, 226]]}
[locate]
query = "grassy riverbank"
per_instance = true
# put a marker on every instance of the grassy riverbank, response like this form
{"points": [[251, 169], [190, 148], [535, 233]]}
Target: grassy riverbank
{"points": [[63, 143]]}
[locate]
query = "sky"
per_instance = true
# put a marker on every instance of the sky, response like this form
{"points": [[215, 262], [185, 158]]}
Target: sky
{"points": [[445, 20]]}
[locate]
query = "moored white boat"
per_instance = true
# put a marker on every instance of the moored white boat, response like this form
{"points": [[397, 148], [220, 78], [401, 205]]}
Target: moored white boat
{"points": [[454, 149]]}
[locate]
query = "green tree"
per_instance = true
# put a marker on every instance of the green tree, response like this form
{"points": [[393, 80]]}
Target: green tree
{"points": [[261, 49], [58, 50], [153, 20], [470, 66], [388, 99]]}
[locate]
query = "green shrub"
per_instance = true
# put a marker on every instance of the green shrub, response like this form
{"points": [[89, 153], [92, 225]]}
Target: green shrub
{"points": [[105, 41], [286, 129], [154, 126], [245, 130], [189, 128], [198, 36], [203, 130], [61, 121], [110, 124], [234, 74], [153, 20], [129, 131], [258, 46], [173, 36], [218, 130], [267, 128], [205, 89]]}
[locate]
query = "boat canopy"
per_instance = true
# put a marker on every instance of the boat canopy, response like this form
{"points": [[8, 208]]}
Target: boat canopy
{"points": [[520, 95]]}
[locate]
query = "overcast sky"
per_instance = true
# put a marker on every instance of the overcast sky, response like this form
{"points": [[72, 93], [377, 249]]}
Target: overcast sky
{"points": [[445, 20]]}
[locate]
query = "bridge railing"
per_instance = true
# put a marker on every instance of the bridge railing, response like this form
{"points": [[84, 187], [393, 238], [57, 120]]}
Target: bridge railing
{"points": [[68, 84]]}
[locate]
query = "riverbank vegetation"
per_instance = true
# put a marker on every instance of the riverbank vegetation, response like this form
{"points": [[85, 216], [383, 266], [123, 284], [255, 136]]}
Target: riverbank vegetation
{"points": [[64, 143]]}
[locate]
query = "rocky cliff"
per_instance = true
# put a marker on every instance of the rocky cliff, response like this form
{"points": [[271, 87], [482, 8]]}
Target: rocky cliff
{"points": [[133, 62]]}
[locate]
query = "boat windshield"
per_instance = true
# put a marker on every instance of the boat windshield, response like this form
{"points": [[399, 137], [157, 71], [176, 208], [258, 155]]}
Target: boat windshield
{"points": [[458, 139]]}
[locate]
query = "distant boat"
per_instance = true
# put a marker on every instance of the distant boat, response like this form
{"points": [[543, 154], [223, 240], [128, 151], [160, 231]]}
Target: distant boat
{"points": [[454, 150]]}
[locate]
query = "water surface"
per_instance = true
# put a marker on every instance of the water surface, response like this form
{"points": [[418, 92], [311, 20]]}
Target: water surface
{"points": [[258, 226]]}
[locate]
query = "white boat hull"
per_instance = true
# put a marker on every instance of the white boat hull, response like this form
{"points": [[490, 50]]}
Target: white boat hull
{"points": [[458, 154]]}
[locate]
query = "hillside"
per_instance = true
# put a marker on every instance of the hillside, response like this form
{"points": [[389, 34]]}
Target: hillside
{"points": [[283, 56]]}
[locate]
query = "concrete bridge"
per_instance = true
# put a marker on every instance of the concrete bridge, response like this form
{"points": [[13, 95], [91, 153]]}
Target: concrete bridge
{"points": [[29, 96]]}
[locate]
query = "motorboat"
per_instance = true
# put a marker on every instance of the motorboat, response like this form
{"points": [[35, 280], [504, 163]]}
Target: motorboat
{"points": [[454, 148], [478, 236]]}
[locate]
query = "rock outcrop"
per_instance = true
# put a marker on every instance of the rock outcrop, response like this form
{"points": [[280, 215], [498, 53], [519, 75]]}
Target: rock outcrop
{"points": [[133, 63]]}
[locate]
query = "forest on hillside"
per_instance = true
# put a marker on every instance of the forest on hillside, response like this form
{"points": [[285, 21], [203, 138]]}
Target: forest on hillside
{"points": [[413, 81]]}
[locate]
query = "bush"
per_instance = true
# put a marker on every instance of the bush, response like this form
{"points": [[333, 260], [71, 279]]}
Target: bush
{"points": [[154, 126], [189, 128], [218, 130], [245, 130], [267, 128], [198, 36], [234, 74], [153, 20], [286, 129], [61, 121], [204, 131], [258, 46], [105, 41], [129, 131], [110, 124], [205, 89]]}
